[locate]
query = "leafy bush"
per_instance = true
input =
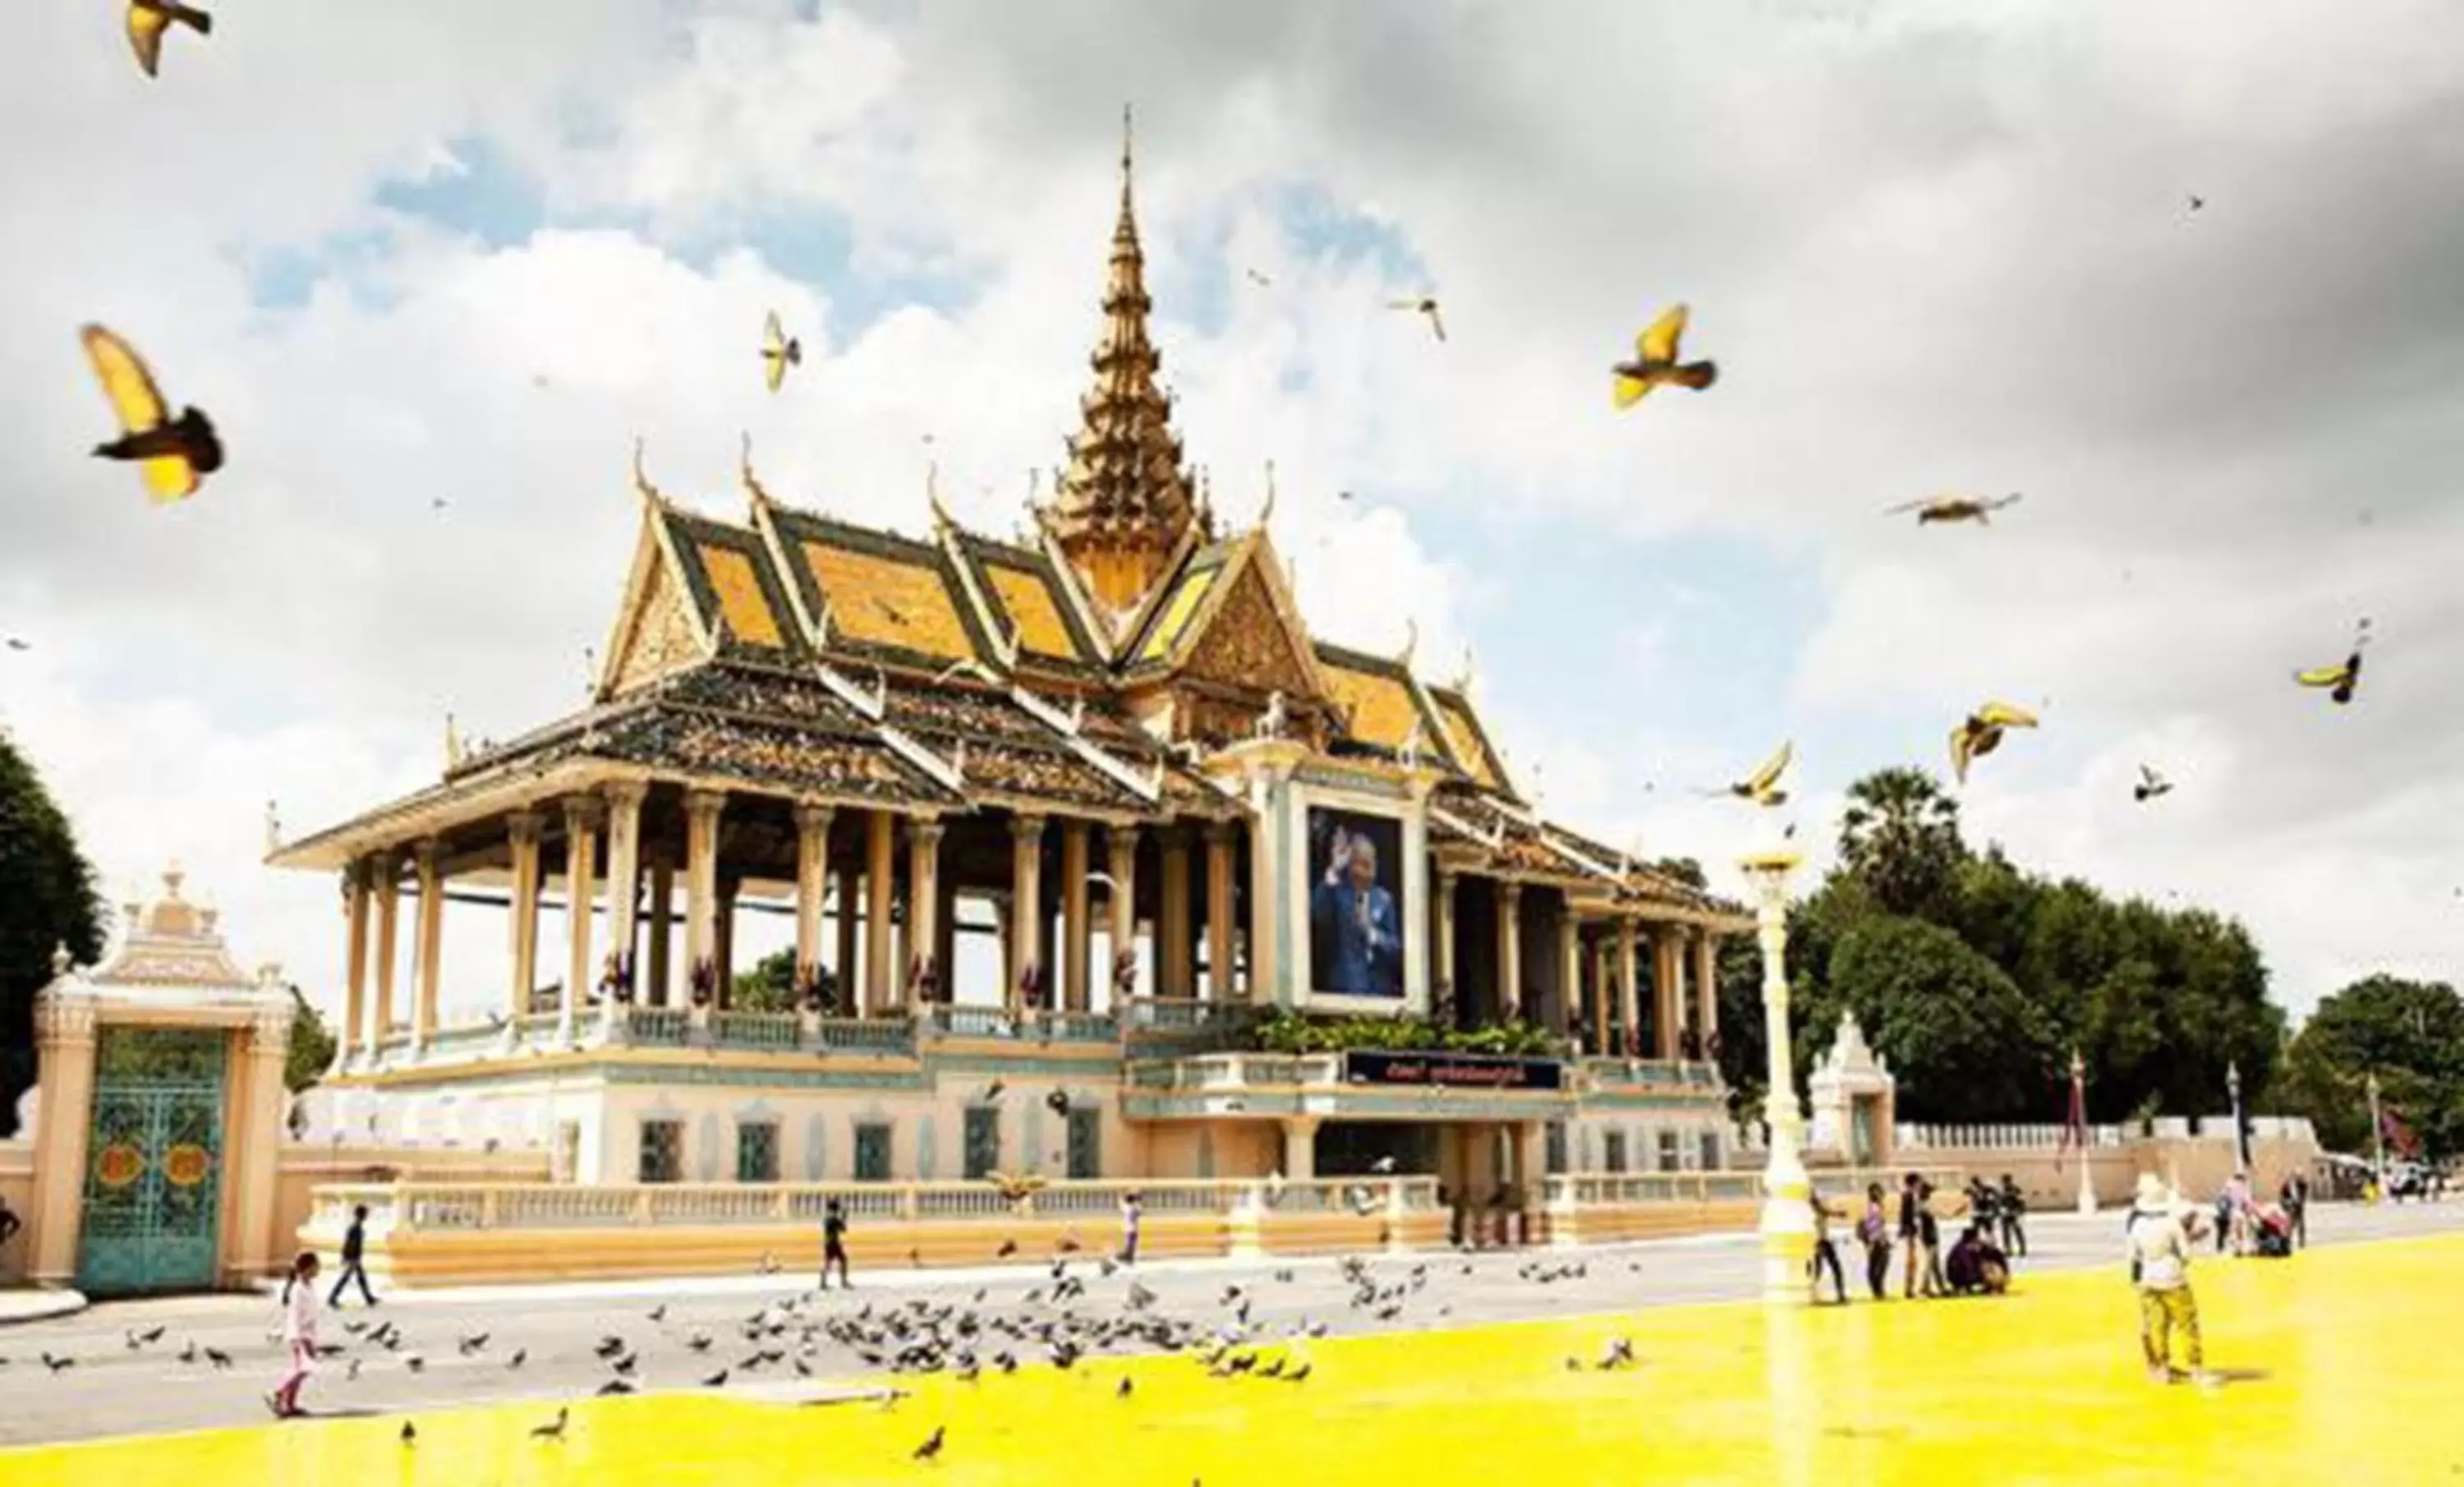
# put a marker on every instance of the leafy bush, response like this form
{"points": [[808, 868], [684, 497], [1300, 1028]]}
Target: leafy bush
{"points": [[1286, 1031]]}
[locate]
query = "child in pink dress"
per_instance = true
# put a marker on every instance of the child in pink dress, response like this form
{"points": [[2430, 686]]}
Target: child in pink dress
{"points": [[298, 1334]]}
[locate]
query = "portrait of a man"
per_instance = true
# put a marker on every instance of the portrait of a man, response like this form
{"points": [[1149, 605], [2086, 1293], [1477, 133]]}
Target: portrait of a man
{"points": [[1355, 924]]}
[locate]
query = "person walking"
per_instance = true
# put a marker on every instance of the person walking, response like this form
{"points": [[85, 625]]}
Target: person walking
{"points": [[1911, 1235], [355, 1244], [1873, 1232], [2158, 1241], [1825, 1253], [2014, 1208], [299, 1335], [1132, 1210], [2297, 1209], [834, 1244], [1929, 1233]]}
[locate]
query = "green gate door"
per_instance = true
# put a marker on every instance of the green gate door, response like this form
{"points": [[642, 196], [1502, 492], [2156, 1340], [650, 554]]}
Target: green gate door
{"points": [[154, 1162]]}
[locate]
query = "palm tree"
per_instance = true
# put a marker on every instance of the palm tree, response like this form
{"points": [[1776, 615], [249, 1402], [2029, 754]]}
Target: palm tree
{"points": [[1900, 840]]}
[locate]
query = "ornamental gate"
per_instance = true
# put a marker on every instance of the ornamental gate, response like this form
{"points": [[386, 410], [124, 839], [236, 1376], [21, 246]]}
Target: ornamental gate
{"points": [[154, 1162]]}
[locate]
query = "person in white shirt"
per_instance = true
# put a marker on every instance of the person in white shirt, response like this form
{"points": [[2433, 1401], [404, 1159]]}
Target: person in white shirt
{"points": [[298, 1334], [2158, 1234]]}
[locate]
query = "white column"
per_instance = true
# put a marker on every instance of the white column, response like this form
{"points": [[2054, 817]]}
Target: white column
{"points": [[812, 882], [702, 810], [924, 973], [624, 799], [581, 897], [878, 992], [1121, 859], [432, 942], [355, 970], [1027, 905], [1509, 950], [525, 828]]}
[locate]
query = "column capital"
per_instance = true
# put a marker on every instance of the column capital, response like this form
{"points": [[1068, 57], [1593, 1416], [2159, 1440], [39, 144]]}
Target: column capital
{"points": [[925, 832], [705, 803], [1026, 828], [524, 826], [1510, 889], [425, 852], [582, 812], [624, 795], [1074, 826], [811, 815], [1120, 835], [1219, 832]]}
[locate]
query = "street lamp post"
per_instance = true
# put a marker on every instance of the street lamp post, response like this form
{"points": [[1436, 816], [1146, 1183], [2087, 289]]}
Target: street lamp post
{"points": [[1787, 1215], [2079, 1119], [2232, 1088]]}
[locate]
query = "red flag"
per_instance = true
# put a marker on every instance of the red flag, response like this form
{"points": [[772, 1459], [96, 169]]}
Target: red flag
{"points": [[2397, 1134]]}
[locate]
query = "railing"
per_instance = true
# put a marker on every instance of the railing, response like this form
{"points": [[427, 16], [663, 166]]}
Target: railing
{"points": [[895, 1035], [760, 1032], [2000, 1137], [1185, 1023], [412, 1207], [481, 1037], [658, 1026], [949, 1020], [1587, 1189], [1653, 1072]]}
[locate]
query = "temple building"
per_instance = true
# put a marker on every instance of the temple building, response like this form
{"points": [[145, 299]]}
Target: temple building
{"points": [[1081, 835]]}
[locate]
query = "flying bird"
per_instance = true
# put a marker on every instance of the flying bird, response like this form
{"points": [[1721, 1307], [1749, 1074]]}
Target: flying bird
{"points": [[149, 20], [1257, 279], [2340, 681], [173, 455], [1980, 733], [2150, 786], [1423, 304], [1058, 1102], [1978, 509], [931, 1446], [1654, 361], [15, 644], [1762, 787], [2197, 201], [778, 353]]}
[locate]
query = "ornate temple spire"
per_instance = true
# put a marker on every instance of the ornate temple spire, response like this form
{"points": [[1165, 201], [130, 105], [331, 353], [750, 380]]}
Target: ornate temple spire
{"points": [[1123, 504]]}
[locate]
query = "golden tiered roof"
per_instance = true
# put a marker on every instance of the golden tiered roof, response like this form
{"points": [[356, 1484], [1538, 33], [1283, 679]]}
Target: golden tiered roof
{"points": [[796, 653], [1125, 503]]}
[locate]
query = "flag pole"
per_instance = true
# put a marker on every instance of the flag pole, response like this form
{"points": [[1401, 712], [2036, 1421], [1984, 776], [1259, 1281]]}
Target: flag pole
{"points": [[2079, 1131], [2378, 1135]]}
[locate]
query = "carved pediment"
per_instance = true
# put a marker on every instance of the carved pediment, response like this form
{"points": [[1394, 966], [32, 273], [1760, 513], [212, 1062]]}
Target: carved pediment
{"points": [[659, 637], [1247, 645]]}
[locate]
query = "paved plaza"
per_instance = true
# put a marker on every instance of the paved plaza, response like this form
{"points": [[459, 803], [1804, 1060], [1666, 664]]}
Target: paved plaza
{"points": [[1464, 1373]]}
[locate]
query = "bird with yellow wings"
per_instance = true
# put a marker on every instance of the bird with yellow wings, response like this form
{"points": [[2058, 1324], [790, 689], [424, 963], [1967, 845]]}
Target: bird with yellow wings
{"points": [[1654, 361], [2340, 681], [149, 20], [173, 455], [1762, 787], [1980, 733], [1016, 1187], [1978, 509], [779, 351]]}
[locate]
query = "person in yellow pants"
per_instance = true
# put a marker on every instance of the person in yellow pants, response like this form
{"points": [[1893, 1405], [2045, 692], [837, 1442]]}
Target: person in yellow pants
{"points": [[2159, 1238]]}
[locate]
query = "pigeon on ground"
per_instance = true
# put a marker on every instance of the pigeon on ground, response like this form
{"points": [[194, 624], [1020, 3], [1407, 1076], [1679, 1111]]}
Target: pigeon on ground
{"points": [[409, 1432], [554, 1430], [931, 1446]]}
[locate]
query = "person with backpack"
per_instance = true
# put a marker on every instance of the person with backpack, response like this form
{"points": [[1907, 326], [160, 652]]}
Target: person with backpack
{"points": [[1873, 1232]]}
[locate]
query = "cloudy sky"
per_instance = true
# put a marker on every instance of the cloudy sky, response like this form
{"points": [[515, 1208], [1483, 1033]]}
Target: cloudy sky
{"points": [[467, 251]]}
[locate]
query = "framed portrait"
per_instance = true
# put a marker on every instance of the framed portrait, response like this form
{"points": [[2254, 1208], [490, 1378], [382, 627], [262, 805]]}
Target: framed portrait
{"points": [[1356, 937]]}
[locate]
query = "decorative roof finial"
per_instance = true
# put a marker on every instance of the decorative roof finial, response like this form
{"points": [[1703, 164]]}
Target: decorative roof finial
{"points": [[62, 960], [942, 521], [642, 485], [1411, 643], [453, 743], [1125, 157], [753, 487], [1462, 678], [1267, 512]]}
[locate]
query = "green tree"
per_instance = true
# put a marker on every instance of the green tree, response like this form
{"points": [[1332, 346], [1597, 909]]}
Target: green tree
{"points": [[769, 987], [1900, 838], [1962, 1037], [47, 899], [2411, 1034], [312, 1045], [1685, 869]]}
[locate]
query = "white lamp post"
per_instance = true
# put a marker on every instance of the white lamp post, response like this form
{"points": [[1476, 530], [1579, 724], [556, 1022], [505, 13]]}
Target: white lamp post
{"points": [[2078, 1118], [1787, 1216]]}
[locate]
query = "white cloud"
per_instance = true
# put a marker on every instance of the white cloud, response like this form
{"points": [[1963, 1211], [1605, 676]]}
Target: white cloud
{"points": [[1933, 246]]}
